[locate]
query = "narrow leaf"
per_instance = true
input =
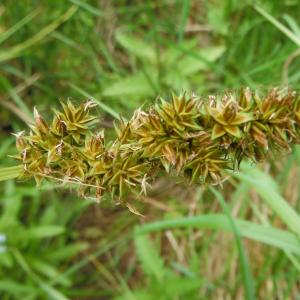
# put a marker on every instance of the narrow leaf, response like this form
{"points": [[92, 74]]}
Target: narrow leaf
{"points": [[266, 234], [149, 257]]}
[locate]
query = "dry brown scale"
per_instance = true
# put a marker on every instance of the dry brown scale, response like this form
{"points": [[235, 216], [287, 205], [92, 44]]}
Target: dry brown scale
{"points": [[198, 138]]}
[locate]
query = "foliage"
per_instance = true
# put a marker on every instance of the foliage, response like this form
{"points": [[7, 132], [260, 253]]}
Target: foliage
{"points": [[163, 282], [35, 245]]}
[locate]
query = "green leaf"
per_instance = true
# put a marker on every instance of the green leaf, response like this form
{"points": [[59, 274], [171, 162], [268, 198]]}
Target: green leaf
{"points": [[266, 234], [176, 80], [217, 18], [185, 12], [136, 85], [136, 295], [191, 64], [292, 24], [150, 259], [49, 271], [136, 46], [45, 287], [286, 31], [176, 287], [172, 55], [8, 33], [246, 272], [11, 203], [10, 172], [270, 194], [14, 288], [23, 111], [17, 50], [89, 8], [46, 231], [66, 251]]}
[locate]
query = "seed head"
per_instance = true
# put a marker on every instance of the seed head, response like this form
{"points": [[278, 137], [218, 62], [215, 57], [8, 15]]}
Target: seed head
{"points": [[197, 138]]}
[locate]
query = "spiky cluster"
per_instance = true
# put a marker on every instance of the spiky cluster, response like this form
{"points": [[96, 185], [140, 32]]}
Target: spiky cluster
{"points": [[197, 138]]}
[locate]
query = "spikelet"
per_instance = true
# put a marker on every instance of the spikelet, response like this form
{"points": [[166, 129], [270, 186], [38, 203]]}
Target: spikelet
{"points": [[196, 138]]}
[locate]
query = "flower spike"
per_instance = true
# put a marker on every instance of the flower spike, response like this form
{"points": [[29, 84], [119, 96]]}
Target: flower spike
{"points": [[198, 138]]}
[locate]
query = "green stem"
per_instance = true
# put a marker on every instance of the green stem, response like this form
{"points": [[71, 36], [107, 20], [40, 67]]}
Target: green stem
{"points": [[10, 172]]}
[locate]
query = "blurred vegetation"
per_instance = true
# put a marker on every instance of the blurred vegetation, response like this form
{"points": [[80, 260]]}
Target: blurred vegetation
{"points": [[54, 245]]}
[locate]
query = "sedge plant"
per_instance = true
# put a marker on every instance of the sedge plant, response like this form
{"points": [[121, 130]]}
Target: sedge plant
{"points": [[197, 138]]}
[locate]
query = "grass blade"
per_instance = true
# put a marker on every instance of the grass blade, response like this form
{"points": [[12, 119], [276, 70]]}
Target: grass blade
{"points": [[8, 33], [89, 8], [183, 20], [263, 219], [44, 231], [18, 49], [246, 272], [266, 234], [10, 172], [46, 288], [270, 194], [291, 35], [23, 110]]}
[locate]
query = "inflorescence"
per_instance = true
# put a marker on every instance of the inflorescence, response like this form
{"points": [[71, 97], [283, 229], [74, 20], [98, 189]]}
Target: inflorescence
{"points": [[197, 138]]}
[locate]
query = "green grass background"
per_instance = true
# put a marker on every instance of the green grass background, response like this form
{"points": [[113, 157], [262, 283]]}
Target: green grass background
{"points": [[239, 242]]}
